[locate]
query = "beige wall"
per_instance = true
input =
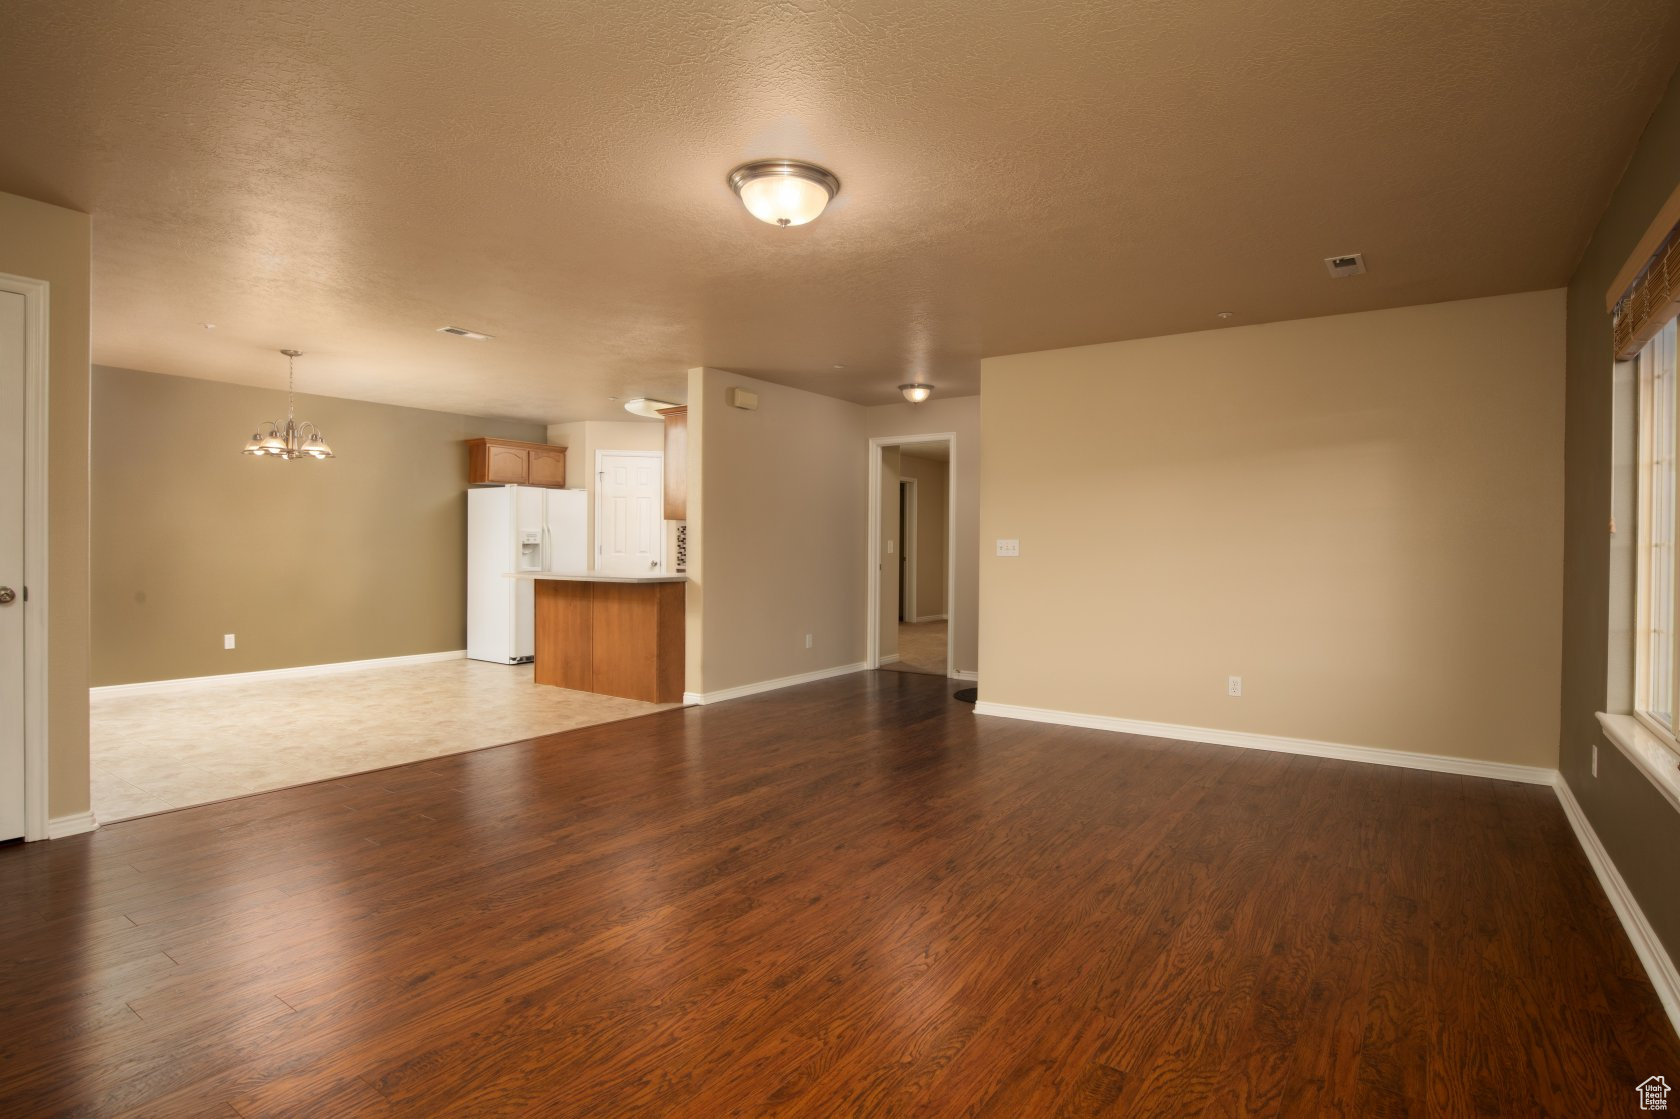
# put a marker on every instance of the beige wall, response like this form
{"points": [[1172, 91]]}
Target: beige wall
{"points": [[932, 479], [961, 416], [1637, 826], [582, 438], [777, 531], [359, 557], [778, 528], [1361, 515], [43, 242]]}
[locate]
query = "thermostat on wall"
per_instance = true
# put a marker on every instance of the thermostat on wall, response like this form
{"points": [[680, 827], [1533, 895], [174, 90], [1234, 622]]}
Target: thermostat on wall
{"points": [[741, 398]]}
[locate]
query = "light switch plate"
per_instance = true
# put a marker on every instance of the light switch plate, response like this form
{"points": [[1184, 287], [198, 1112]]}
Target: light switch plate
{"points": [[1008, 547]]}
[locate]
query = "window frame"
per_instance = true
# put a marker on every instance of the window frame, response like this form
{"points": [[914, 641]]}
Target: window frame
{"points": [[1657, 480]]}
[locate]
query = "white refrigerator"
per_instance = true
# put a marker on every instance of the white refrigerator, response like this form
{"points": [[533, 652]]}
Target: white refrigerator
{"points": [[517, 528]]}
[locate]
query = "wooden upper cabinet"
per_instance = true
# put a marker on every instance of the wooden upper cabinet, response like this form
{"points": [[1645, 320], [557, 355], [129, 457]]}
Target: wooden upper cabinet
{"points": [[676, 462], [548, 466], [511, 462], [505, 464]]}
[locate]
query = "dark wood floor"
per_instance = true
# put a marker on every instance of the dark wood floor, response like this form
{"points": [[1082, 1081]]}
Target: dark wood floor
{"points": [[852, 898]]}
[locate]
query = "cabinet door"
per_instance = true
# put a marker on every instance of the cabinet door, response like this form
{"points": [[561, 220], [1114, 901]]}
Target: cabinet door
{"points": [[508, 464], [548, 466], [676, 463]]}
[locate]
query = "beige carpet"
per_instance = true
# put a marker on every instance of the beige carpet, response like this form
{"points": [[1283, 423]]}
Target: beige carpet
{"points": [[157, 751], [921, 648]]}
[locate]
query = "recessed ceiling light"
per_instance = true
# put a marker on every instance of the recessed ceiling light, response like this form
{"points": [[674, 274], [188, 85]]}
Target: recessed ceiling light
{"points": [[1226, 314], [463, 332], [839, 367], [208, 325], [645, 406], [783, 192]]}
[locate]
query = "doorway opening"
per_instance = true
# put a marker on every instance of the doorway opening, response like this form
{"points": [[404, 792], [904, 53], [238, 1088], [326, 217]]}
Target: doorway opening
{"points": [[913, 573]]}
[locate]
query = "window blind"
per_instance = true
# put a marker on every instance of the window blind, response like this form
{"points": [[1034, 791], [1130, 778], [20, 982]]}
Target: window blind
{"points": [[1650, 301]]}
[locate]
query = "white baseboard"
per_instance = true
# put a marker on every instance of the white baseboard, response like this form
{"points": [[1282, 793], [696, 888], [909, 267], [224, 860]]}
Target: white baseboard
{"points": [[890, 658], [1469, 767], [771, 685], [1664, 977], [929, 618], [61, 826], [190, 682], [965, 674]]}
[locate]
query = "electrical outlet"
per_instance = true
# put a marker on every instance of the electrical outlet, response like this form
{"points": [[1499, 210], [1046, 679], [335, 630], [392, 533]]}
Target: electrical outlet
{"points": [[227, 640], [1595, 759], [1008, 547], [889, 548], [807, 641], [1233, 685]]}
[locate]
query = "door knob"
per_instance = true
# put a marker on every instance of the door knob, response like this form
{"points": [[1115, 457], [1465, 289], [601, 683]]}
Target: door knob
{"points": [[6, 595]]}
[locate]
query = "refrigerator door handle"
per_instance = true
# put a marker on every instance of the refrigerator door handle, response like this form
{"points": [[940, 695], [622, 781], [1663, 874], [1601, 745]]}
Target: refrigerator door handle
{"points": [[547, 549]]}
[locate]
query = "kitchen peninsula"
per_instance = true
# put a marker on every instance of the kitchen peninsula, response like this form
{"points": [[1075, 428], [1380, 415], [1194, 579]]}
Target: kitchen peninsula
{"points": [[619, 635]]}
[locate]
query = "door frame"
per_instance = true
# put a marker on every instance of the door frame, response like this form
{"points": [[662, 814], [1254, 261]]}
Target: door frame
{"points": [[595, 520], [35, 340], [907, 548], [872, 648]]}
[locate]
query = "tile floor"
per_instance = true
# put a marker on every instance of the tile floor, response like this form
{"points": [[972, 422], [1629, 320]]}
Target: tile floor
{"points": [[921, 648], [156, 751]]}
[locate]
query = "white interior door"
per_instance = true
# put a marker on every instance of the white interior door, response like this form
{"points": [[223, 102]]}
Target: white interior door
{"points": [[12, 325], [629, 512]]}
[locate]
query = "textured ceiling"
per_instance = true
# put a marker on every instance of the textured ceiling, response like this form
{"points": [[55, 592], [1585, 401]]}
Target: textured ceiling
{"points": [[345, 177]]}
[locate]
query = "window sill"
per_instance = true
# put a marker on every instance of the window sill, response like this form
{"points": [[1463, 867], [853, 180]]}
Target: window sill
{"points": [[1651, 755]]}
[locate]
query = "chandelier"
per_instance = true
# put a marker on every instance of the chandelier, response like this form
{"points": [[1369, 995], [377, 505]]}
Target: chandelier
{"points": [[294, 440]]}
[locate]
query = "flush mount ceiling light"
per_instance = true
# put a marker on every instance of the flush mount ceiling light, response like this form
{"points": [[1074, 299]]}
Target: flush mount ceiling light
{"points": [[644, 406], [783, 191], [294, 440], [916, 392]]}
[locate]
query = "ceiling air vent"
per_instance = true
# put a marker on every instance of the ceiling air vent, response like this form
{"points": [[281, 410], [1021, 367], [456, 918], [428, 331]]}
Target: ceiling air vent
{"points": [[463, 332], [1349, 264]]}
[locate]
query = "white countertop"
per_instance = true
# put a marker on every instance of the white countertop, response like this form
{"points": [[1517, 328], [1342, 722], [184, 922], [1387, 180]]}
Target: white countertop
{"points": [[596, 577]]}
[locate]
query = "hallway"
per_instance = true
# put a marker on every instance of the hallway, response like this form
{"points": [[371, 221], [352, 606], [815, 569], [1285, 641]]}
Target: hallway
{"points": [[921, 648]]}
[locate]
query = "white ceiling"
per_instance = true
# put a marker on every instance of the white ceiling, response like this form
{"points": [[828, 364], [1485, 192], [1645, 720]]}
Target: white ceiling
{"points": [[346, 177]]}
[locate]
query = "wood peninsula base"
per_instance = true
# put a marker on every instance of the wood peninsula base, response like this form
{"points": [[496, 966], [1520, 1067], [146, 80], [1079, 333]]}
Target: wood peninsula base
{"points": [[614, 636]]}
